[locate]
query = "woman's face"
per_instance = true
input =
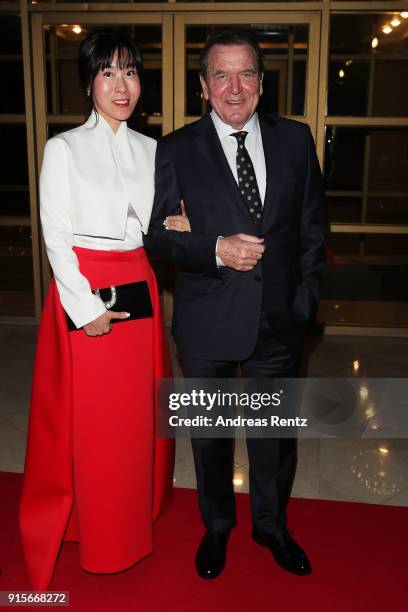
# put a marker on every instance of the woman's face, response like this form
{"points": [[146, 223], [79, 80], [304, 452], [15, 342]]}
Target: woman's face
{"points": [[116, 92]]}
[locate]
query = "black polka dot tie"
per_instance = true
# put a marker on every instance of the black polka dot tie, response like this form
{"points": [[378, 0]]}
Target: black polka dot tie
{"points": [[247, 183]]}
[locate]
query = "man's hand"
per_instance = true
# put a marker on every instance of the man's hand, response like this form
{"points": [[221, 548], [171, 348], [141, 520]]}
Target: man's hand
{"points": [[102, 325], [240, 251]]}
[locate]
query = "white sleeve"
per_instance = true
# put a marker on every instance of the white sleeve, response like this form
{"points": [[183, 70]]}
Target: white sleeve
{"points": [[74, 289], [218, 260]]}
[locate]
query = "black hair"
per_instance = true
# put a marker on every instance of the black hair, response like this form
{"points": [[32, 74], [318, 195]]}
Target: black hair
{"points": [[230, 37], [96, 53]]}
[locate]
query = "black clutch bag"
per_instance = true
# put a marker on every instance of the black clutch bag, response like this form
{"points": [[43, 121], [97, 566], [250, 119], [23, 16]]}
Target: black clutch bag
{"points": [[133, 298]]}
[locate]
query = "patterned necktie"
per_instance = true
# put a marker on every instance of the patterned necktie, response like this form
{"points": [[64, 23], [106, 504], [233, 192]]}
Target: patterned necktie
{"points": [[247, 183]]}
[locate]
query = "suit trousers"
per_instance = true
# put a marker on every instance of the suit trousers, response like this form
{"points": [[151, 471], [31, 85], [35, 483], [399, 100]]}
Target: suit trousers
{"points": [[272, 461]]}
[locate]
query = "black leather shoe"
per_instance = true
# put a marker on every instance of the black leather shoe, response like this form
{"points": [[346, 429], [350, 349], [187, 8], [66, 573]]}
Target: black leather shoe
{"points": [[287, 553], [210, 558]]}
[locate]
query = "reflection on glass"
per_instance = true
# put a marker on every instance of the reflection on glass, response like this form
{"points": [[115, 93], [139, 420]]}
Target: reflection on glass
{"points": [[353, 33], [390, 88], [285, 50], [363, 393], [368, 65], [344, 158], [10, 40], [366, 174], [12, 74], [347, 95], [11, 65], [71, 99], [154, 131], [152, 92], [343, 247], [16, 275], [299, 87], [364, 465], [366, 281], [385, 210], [196, 105], [14, 201], [13, 155], [388, 168], [387, 247], [344, 209], [64, 95]]}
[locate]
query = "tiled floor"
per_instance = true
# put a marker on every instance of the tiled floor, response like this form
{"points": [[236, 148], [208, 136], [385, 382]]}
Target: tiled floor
{"points": [[369, 470]]}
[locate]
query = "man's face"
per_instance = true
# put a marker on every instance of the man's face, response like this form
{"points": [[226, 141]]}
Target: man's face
{"points": [[232, 84]]}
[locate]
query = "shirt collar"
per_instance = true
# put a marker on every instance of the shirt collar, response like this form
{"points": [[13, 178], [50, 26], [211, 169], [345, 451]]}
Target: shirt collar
{"points": [[223, 129], [101, 124]]}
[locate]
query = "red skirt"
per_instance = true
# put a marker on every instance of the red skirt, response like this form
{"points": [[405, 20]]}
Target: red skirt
{"points": [[95, 471]]}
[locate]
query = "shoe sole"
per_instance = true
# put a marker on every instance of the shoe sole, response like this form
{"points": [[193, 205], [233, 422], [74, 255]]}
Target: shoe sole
{"points": [[297, 573]]}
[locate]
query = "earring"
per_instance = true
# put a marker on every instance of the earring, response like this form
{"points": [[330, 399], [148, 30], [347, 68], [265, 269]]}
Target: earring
{"points": [[88, 92]]}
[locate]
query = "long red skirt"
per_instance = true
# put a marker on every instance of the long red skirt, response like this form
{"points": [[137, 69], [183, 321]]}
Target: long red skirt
{"points": [[95, 471]]}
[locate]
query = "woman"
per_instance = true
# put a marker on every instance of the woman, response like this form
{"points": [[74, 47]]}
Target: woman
{"points": [[95, 472]]}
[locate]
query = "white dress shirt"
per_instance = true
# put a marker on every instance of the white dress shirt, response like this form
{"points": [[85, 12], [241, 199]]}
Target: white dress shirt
{"points": [[254, 146], [96, 192]]}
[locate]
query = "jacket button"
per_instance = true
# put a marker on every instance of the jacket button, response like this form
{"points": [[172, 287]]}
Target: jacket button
{"points": [[257, 278]]}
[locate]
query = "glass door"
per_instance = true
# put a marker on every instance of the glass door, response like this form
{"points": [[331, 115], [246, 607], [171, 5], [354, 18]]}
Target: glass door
{"points": [[170, 45], [290, 44]]}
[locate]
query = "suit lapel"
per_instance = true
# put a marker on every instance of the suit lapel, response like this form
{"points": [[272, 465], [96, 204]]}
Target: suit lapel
{"points": [[212, 152]]}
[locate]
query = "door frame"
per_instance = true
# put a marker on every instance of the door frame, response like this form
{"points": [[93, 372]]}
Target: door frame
{"points": [[312, 19], [173, 20]]}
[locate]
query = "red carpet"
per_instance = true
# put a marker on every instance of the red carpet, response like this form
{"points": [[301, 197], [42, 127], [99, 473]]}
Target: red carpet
{"points": [[358, 552]]}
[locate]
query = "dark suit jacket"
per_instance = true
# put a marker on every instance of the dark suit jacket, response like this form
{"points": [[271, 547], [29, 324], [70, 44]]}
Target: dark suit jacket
{"points": [[217, 310]]}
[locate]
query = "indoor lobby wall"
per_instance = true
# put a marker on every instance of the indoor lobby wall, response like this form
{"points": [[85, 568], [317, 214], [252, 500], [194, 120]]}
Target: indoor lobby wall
{"points": [[339, 66]]}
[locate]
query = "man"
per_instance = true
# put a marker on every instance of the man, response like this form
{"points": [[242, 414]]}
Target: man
{"points": [[248, 275]]}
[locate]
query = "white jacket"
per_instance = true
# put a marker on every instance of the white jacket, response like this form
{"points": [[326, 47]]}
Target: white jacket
{"points": [[89, 177]]}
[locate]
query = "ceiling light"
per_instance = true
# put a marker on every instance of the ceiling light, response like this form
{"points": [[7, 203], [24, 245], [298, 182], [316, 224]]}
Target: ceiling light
{"points": [[395, 22], [387, 29], [77, 29], [374, 42]]}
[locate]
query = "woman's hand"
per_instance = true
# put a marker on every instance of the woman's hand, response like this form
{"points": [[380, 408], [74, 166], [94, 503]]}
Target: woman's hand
{"points": [[179, 223], [102, 325]]}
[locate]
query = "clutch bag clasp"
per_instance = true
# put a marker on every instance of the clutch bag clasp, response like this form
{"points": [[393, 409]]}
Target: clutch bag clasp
{"points": [[110, 303]]}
